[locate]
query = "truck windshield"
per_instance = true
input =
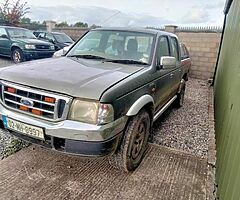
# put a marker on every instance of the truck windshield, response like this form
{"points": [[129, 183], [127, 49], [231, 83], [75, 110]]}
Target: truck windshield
{"points": [[20, 33], [115, 46]]}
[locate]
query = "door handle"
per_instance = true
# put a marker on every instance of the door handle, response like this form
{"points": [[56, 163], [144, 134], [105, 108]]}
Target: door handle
{"points": [[171, 75]]}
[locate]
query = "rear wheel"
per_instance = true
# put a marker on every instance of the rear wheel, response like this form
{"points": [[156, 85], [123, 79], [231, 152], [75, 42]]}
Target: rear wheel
{"points": [[134, 143], [17, 55], [181, 94]]}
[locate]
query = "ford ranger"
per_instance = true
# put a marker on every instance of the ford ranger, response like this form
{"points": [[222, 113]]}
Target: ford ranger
{"points": [[100, 99]]}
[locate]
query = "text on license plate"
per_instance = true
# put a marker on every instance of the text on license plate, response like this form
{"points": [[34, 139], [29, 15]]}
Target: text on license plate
{"points": [[23, 128]]}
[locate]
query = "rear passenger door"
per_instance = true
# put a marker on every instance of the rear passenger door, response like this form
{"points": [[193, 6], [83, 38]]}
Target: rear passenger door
{"points": [[176, 72]]}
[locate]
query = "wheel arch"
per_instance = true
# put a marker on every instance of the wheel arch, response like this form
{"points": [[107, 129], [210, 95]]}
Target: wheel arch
{"points": [[15, 47], [146, 101]]}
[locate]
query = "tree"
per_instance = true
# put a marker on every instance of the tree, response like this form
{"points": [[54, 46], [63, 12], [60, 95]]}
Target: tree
{"points": [[25, 20], [12, 11], [81, 24], [62, 24]]}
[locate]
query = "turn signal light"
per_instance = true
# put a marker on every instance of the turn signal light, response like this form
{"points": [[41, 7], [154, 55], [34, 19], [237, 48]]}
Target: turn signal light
{"points": [[36, 112], [49, 99], [24, 108], [11, 90]]}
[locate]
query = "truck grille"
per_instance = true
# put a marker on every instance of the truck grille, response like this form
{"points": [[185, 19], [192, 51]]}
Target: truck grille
{"points": [[42, 46], [34, 102]]}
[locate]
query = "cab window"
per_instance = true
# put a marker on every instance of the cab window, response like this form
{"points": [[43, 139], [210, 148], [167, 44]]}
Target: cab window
{"points": [[163, 47], [41, 35], [49, 37], [174, 48]]}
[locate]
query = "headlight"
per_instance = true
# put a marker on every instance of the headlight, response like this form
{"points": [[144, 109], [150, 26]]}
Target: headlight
{"points": [[52, 47], [30, 46], [91, 112]]}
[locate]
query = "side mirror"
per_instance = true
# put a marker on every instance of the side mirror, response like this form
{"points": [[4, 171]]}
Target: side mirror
{"points": [[4, 36], [65, 49], [51, 40], [168, 62]]}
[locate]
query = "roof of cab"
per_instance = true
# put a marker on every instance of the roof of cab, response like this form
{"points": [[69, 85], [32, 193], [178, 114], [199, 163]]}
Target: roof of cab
{"points": [[141, 30]]}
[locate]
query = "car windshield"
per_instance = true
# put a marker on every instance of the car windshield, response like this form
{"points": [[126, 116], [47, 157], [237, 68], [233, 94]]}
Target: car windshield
{"points": [[116, 46], [62, 38], [20, 33]]}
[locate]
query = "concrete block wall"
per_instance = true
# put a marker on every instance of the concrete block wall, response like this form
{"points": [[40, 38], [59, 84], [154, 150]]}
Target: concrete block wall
{"points": [[203, 50]]}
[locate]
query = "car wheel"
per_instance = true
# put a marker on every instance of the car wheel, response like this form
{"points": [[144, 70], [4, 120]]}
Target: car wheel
{"points": [[181, 94], [17, 56], [134, 143]]}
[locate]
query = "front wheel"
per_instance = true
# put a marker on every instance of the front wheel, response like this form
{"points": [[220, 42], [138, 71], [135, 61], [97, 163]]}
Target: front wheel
{"points": [[134, 143], [18, 56]]}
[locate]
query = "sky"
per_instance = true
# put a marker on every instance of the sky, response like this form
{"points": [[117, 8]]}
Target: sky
{"points": [[138, 13]]}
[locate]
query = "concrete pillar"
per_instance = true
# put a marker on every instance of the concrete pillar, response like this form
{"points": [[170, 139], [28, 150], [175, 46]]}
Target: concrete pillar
{"points": [[170, 28], [50, 25]]}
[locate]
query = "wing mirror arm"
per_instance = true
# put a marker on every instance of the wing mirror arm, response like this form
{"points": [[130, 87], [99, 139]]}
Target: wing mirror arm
{"points": [[159, 65]]}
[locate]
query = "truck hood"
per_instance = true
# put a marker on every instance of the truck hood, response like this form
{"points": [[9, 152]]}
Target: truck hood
{"points": [[71, 76], [29, 41]]}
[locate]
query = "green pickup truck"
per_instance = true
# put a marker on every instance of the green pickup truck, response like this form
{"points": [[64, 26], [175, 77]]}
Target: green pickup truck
{"points": [[100, 99], [21, 45]]}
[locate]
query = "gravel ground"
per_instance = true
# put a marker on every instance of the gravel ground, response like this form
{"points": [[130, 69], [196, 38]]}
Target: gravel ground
{"points": [[186, 128]]}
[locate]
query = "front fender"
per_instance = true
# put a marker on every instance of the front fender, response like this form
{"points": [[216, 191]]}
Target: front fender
{"points": [[17, 45], [139, 104]]}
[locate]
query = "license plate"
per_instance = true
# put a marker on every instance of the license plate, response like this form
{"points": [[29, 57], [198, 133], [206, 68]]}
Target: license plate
{"points": [[23, 128]]}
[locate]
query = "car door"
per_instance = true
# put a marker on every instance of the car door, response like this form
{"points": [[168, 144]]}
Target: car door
{"points": [[176, 72], [164, 80], [5, 43]]}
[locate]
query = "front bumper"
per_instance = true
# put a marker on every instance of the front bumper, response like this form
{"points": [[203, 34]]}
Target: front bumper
{"points": [[35, 54], [71, 136]]}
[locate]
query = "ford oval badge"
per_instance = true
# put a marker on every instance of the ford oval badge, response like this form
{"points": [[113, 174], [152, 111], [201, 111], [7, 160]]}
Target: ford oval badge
{"points": [[27, 102]]}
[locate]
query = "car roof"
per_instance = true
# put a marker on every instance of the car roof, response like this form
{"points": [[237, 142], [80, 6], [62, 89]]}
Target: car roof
{"points": [[141, 30], [48, 32], [13, 27]]}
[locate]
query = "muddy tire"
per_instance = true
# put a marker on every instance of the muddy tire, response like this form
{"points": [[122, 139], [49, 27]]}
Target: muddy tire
{"points": [[134, 143], [17, 56], [180, 96]]}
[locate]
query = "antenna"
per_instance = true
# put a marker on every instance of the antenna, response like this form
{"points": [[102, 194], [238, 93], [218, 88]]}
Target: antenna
{"points": [[118, 12]]}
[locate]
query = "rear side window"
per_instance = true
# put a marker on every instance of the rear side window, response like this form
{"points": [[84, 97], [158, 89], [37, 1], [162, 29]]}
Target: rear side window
{"points": [[184, 52], [163, 47], [174, 47]]}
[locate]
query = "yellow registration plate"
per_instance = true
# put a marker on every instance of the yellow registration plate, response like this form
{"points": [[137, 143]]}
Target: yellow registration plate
{"points": [[23, 128]]}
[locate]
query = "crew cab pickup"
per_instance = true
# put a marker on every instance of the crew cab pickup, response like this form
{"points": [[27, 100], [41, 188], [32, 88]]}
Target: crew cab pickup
{"points": [[101, 99]]}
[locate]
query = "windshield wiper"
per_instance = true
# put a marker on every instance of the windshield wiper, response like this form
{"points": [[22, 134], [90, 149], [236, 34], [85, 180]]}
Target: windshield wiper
{"points": [[87, 57], [127, 62]]}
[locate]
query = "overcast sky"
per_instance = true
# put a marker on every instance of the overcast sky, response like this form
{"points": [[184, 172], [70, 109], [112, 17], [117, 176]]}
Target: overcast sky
{"points": [[130, 13]]}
